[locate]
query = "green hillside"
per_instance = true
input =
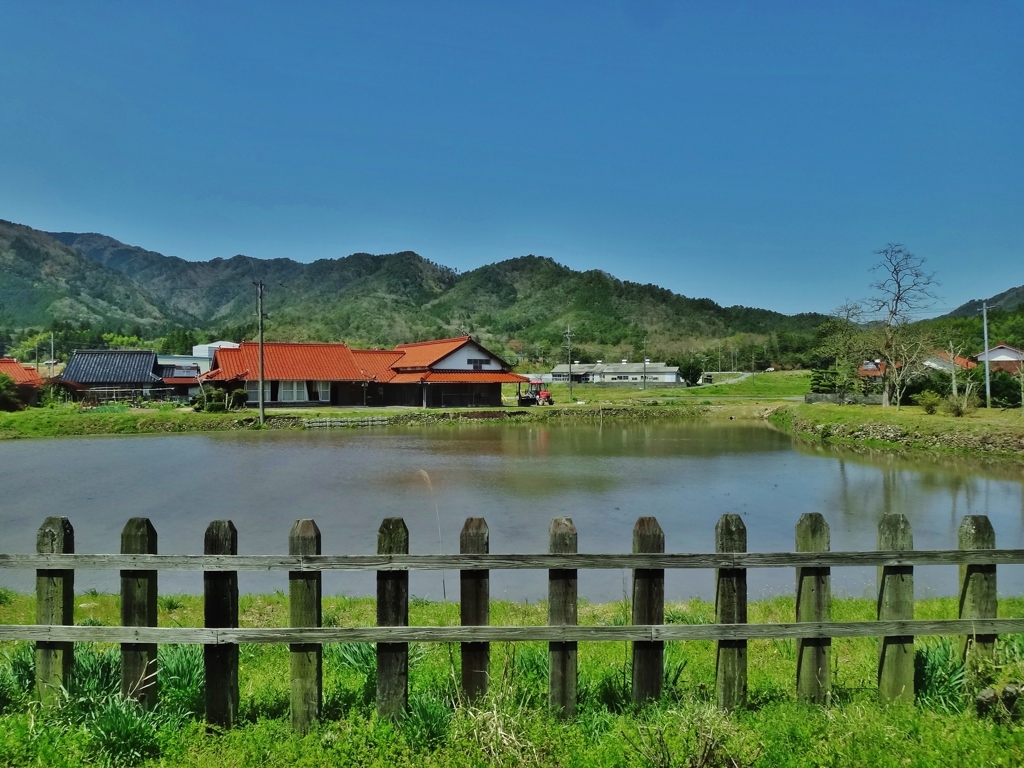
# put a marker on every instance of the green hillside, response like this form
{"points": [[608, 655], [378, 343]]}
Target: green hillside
{"points": [[522, 304]]}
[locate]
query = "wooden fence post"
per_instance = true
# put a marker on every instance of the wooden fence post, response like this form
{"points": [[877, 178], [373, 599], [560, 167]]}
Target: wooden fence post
{"points": [[475, 607], [305, 610], [813, 603], [895, 601], [731, 608], [392, 611], [55, 604], [138, 609], [977, 586], [562, 612], [648, 608], [220, 608]]}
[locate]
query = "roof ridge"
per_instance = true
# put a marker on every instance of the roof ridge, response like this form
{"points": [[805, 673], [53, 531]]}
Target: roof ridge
{"points": [[434, 341]]}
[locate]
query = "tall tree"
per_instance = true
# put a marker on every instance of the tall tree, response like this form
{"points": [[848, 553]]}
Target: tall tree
{"points": [[902, 289]]}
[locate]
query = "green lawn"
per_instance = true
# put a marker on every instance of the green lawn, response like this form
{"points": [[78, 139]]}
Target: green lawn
{"points": [[512, 726], [764, 386]]}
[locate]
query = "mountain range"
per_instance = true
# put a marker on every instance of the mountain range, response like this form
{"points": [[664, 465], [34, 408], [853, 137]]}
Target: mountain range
{"points": [[362, 298]]}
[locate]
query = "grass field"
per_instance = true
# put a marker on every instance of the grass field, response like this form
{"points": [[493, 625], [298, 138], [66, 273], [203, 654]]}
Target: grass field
{"points": [[512, 726], [764, 386]]}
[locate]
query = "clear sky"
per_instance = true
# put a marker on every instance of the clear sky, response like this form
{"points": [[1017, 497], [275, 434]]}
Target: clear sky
{"points": [[752, 153]]}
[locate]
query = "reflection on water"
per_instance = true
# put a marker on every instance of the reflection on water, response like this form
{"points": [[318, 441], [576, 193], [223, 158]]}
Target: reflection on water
{"points": [[518, 478]]}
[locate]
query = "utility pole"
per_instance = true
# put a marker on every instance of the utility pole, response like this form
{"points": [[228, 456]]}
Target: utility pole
{"points": [[988, 381], [51, 354], [259, 312], [568, 347], [645, 362]]}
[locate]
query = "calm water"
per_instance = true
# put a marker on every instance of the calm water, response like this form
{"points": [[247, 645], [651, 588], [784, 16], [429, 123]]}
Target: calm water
{"points": [[518, 478]]}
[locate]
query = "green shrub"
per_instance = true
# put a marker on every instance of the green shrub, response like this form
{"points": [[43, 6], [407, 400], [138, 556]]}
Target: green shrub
{"points": [[6, 596], [214, 408], [928, 400], [182, 680], [961, 404], [940, 676], [10, 400]]}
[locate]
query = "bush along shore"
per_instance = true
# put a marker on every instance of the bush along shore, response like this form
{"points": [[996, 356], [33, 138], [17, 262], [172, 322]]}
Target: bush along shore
{"points": [[70, 420], [91, 724], [989, 434]]}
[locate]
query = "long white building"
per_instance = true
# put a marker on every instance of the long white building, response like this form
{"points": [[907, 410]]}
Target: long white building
{"points": [[617, 373]]}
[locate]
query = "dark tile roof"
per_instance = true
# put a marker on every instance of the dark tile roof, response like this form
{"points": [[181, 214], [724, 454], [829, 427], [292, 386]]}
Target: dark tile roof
{"points": [[130, 367]]}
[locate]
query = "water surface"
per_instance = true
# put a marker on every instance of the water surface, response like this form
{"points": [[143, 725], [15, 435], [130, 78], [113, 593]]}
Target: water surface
{"points": [[518, 477]]}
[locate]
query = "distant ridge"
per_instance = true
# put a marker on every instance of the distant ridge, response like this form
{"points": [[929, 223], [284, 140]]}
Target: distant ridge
{"points": [[1006, 301], [362, 298]]}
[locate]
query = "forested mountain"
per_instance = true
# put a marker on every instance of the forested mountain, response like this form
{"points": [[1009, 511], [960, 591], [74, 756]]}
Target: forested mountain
{"points": [[1007, 301], [362, 298]]}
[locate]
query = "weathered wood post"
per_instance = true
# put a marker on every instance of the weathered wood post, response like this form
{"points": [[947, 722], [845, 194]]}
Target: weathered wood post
{"points": [[648, 608], [305, 659], [392, 611], [220, 608], [813, 603], [895, 602], [731, 608], [977, 586], [55, 604], [475, 607], [562, 612], [138, 609]]}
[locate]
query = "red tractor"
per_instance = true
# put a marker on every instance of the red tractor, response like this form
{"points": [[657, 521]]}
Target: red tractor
{"points": [[536, 394]]}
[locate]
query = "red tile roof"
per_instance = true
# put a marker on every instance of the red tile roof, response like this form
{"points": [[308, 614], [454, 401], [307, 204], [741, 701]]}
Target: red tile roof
{"points": [[424, 354], [21, 375], [284, 361], [376, 364], [475, 377]]}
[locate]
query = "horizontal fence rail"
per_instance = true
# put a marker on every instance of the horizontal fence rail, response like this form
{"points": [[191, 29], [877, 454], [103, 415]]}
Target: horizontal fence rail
{"points": [[567, 633], [56, 561], [499, 562]]}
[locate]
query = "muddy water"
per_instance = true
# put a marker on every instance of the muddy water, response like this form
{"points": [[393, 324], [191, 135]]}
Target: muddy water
{"points": [[518, 478]]}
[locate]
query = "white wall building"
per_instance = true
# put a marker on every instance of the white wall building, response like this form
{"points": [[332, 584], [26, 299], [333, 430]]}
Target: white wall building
{"points": [[617, 373]]}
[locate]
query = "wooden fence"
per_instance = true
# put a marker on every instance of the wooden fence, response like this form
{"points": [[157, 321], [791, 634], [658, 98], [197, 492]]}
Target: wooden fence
{"points": [[812, 628]]}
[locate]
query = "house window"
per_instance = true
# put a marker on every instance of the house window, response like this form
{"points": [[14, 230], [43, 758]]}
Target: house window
{"points": [[478, 363], [323, 389], [252, 390], [291, 392]]}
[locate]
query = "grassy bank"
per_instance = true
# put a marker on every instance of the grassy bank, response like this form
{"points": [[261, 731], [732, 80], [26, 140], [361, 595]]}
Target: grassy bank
{"points": [[993, 434], [764, 386], [511, 727]]}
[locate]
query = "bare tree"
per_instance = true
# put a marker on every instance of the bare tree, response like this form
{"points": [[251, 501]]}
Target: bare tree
{"points": [[910, 348], [903, 288]]}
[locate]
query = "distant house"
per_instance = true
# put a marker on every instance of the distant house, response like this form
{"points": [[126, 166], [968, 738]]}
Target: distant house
{"points": [[617, 373], [430, 374], [26, 379], [1002, 357], [100, 375], [941, 361]]}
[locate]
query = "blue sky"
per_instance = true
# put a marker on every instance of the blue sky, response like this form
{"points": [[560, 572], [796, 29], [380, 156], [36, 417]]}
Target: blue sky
{"points": [[751, 153]]}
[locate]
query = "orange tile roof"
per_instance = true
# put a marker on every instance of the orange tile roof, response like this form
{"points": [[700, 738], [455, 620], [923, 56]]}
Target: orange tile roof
{"points": [[376, 364], [286, 361], [423, 354], [409, 378], [475, 377], [20, 374]]}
